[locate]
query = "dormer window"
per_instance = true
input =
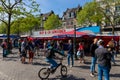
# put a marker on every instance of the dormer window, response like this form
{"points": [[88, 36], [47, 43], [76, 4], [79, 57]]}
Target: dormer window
{"points": [[117, 8], [44, 18], [63, 18], [69, 15], [72, 14]]}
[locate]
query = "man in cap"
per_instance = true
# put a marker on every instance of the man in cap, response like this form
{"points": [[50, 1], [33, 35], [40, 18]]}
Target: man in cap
{"points": [[104, 61]]}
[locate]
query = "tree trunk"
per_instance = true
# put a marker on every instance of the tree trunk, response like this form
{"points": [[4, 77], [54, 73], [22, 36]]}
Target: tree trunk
{"points": [[113, 29], [8, 33]]}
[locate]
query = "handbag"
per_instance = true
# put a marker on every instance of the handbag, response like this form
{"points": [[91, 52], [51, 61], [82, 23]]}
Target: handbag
{"points": [[78, 53]]}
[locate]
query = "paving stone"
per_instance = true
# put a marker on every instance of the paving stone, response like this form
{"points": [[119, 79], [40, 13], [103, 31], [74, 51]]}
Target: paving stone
{"points": [[12, 69]]}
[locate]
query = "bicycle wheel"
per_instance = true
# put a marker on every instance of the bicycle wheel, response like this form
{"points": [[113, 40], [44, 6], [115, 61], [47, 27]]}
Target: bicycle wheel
{"points": [[44, 73], [63, 71]]}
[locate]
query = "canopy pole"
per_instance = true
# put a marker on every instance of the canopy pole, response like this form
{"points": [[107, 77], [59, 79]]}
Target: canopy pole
{"points": [[74, 42]]}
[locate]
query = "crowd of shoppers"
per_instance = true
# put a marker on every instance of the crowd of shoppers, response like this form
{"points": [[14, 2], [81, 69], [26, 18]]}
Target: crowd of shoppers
{"points": [[101, 54]]}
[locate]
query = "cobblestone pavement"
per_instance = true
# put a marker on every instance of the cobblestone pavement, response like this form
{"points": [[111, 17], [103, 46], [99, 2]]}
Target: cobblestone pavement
{"points": [[12, 69]]}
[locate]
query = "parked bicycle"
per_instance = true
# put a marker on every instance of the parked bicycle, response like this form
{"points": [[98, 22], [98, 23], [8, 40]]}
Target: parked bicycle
{"points": [[45, 72]]}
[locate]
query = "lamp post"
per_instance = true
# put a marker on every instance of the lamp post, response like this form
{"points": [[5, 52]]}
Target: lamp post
{"points": [[74, 42]]}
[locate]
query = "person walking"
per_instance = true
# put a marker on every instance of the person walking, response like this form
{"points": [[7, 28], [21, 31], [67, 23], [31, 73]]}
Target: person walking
{"points": [[31, 51], [19, 47], [70, 53], [93, 47], [104, 61], [59, 45], [45, 45], [111, 46], [81, 52], [23, 50], [36, 47], [4, 46]]}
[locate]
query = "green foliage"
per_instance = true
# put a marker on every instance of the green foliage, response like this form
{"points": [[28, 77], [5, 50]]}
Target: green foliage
{"points": [[3, 28], [13, 10], [22, 25], [89, 14], [52, 22], [98, 12], [110, 12]]}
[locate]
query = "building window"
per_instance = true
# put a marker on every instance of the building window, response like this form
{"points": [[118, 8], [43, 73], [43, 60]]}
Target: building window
{"points": [[71, 23], [44, 18], [117, 8], [63, 18], [67, 23], [117, 23], [69, 15], [107, 10], [64, 24], [72, 14]]}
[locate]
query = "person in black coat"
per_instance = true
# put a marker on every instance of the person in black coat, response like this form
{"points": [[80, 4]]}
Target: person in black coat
{"points": [[50, 55], [70, 53], [93, 47]]}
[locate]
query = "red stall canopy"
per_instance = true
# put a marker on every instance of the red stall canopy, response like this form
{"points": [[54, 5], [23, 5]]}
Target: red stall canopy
{"points": [[72, 34]]}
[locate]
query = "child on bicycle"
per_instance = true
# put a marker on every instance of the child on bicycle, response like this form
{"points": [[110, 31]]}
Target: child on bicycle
{"points": [[51, 57]]}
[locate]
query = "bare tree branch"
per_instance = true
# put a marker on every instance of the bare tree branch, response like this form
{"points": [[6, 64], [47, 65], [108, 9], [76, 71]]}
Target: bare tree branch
{"points": [[3, 2], [16, 2], [4, 21]]}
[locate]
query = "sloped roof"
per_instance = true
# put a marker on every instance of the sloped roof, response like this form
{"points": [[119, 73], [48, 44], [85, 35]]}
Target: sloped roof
{"points": [[72, 10], [47, 14]]}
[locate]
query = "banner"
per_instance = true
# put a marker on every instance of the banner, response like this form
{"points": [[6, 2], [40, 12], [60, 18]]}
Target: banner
{"points": [[45, 32]]}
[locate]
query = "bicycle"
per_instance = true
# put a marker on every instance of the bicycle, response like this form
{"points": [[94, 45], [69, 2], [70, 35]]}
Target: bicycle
{"points": [[45, 72]]}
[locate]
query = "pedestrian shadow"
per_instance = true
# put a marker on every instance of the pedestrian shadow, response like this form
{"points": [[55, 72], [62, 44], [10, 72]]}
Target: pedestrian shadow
{"points": [[41, 64], [115, 75], [87, 63], [83, 67], [115, 65], [9, 59], [69, 77], [117, 60]]}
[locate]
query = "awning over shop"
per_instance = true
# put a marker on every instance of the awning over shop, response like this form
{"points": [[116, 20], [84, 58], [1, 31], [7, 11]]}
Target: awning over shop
{"points": [[90, 29], [72, 34], [4, 36]]}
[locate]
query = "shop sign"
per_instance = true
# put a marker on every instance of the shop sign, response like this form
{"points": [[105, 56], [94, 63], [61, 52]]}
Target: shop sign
{"points": [[52, 31]]}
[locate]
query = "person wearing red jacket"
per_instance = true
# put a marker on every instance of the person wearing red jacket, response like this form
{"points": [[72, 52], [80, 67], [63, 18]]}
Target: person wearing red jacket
{"points": [[81, 52]]}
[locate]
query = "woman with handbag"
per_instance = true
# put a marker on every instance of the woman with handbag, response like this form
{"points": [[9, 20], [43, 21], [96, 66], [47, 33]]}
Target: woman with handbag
{"points": [[80, 52]]}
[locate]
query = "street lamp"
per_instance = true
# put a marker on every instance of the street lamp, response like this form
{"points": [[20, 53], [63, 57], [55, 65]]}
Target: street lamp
{"points": [[74, 42]]}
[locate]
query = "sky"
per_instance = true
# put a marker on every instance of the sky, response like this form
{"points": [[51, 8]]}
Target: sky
{"points": [[59, 6]]}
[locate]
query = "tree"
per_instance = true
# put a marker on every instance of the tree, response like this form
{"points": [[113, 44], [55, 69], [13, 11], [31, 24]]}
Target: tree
{"points": [[26, 24], [52, 22], [13, 9], [89, 15], [111, 11], [3, 28], [101, 13]]}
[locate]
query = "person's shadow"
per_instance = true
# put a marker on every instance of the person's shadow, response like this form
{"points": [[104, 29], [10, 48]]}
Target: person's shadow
{"points": [[115, 75], [68, 77]]}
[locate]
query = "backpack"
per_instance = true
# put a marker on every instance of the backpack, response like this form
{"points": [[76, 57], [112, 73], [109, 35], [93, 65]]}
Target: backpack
{"points": [[2, 45], [47, 52]]}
